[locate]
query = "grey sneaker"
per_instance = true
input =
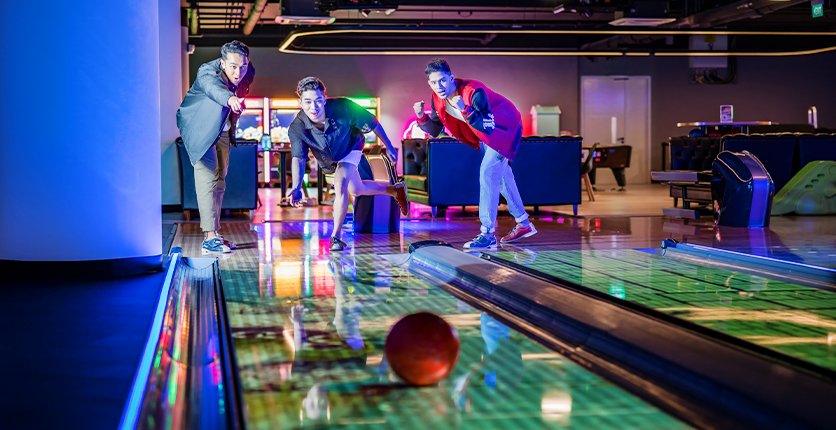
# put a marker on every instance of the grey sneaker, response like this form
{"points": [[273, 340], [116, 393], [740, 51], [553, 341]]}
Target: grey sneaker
{"points": [[483, 241]]}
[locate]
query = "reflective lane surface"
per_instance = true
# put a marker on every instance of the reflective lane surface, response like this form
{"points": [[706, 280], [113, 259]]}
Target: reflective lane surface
{"points": [[309, 329], [793, 319]]}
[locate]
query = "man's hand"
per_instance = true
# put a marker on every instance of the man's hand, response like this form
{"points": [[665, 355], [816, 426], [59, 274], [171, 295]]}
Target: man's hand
{"points": [[236, 104], [457, 101], [295, 197], [392, 153], [418, 107]]}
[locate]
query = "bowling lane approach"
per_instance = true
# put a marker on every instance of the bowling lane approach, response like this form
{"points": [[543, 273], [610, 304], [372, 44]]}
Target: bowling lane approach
{"points": [[309, 339]]}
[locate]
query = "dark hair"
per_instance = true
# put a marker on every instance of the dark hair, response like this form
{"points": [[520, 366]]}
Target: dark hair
{"points": [[437, 65], [235, 47], [309, 83]]}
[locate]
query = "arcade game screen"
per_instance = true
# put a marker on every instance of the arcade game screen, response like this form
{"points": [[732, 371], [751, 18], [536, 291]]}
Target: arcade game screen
{"points": [[251, 123], [282, 112]]}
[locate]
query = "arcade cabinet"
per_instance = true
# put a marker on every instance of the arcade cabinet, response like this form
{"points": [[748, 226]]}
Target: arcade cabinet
{"points": [[617, 158]]}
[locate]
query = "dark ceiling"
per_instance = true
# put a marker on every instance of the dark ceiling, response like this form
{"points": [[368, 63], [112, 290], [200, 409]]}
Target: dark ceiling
{"points": [[541, 27]]}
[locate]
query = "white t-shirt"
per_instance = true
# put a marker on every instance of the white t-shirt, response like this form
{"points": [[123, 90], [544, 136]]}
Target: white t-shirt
{"points": [[454, 111]]}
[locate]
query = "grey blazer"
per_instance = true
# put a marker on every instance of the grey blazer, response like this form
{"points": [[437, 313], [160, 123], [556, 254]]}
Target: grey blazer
{"points": [[203, 111]]}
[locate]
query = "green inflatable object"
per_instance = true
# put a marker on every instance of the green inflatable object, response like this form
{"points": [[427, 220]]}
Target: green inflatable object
{"points": [[812, 191]]}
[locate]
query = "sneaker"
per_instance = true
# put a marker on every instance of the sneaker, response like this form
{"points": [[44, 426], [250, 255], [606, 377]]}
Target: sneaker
{"points": [[483, 241], [519, 232], [229, 244], [214, 246], [400, 197], [337, 244]]}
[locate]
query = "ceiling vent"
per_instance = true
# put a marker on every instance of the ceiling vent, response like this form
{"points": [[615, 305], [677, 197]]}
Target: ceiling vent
{"points": [[302, 12], [644, 13]]}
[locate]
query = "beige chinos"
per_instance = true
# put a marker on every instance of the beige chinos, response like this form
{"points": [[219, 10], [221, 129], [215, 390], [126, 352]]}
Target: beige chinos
{"points": [[210, 183]]}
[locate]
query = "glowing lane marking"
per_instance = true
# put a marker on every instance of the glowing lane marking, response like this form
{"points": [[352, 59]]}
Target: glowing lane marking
{"points": [[131, 412]]}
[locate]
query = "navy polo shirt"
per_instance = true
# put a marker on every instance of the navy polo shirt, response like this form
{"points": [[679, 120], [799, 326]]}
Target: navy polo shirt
{"points": [[345, 124]]}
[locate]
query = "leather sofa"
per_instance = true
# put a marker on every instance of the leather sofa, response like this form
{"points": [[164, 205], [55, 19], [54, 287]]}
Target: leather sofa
{"points": [[445, 172], [693, 153]]}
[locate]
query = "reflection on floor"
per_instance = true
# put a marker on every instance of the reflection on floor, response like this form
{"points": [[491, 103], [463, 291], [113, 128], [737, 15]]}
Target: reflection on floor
{"points": [[309, 324], [793, 319], [638, 200]]}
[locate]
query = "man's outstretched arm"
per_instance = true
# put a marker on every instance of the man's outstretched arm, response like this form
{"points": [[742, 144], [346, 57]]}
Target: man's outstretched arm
{"points": [[211, 83]]}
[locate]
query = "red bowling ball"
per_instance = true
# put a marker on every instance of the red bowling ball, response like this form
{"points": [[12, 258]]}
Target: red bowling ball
{"points": [[422, 348]]}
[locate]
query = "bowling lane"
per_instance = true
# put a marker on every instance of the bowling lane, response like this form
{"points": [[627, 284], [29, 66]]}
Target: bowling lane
{"points": [[795, 320], [309, 330]]}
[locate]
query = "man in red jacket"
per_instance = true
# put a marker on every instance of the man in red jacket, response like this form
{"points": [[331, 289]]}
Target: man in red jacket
{"points": [[488, 122]]}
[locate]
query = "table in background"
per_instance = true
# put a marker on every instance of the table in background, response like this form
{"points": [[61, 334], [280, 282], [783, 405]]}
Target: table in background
{"points": [[742, 125]]}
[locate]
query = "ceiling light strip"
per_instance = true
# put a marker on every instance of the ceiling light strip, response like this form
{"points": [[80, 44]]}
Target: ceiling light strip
{"points": [[285, 46]]}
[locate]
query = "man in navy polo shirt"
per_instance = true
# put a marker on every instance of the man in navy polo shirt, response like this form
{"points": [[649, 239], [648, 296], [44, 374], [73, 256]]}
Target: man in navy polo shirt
{"points": [[332, 129]]}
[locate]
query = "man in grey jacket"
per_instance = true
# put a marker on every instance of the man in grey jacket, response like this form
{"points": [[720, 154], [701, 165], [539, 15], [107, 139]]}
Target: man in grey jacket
{"points": [[206, 120]]}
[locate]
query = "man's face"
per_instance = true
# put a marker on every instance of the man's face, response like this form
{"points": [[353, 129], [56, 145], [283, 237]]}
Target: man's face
{"points": [[235, 66], [442, 83], [313, 104]]}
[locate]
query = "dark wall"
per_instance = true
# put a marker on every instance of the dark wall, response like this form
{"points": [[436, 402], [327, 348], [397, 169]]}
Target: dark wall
{"points": [[777, 89], [765, 89]]}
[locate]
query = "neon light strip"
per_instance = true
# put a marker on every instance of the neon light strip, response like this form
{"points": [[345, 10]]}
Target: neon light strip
{"points": [[131, 412], [745, 54], [266, 165], [285, 103], [253, 103], [265, 119], [365, 102], [285, 46]]}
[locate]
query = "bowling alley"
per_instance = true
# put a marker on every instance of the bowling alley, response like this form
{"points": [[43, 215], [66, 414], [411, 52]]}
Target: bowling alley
{"points": [[426, 214]]}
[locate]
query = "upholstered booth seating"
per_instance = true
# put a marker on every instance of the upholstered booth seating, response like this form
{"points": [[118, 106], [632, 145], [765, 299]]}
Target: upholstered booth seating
{"points": [[777, 152], [444, 172], [693, 153], [782, 154], [816, 147]]}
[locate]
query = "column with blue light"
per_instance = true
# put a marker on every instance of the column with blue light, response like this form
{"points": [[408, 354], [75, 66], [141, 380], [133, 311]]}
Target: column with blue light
{"points": [[80, 157]]}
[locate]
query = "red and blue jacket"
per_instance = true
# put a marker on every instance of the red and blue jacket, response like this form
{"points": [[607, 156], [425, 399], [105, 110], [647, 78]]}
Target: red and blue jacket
{"points": [[490, 118]]}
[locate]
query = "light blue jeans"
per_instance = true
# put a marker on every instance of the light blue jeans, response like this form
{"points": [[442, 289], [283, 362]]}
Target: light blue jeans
{"points": [[495, 177]]}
